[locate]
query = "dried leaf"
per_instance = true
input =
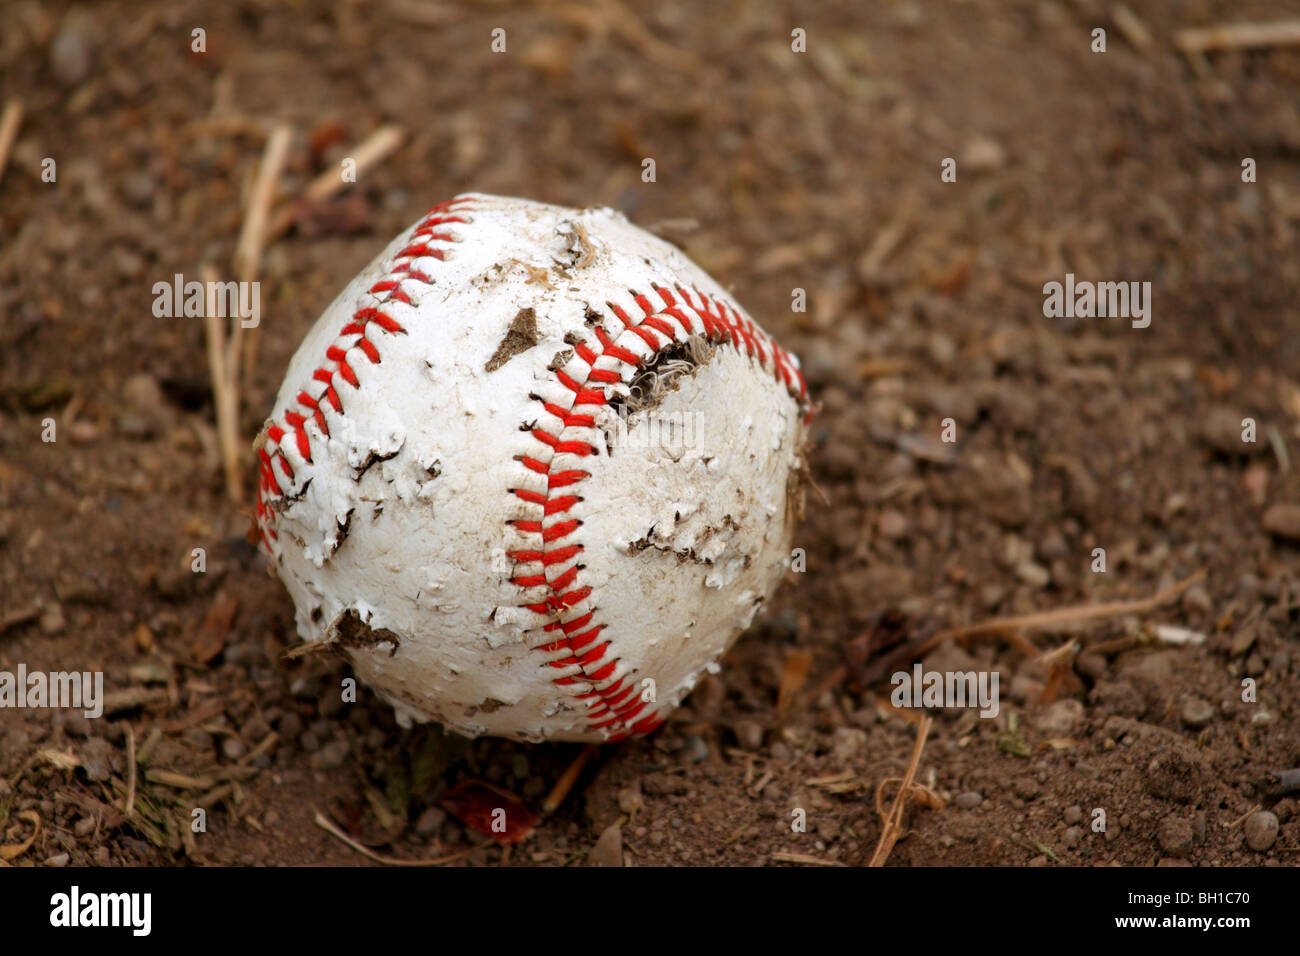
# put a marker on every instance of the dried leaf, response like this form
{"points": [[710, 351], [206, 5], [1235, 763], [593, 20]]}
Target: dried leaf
{"points": [[490, 810], [794, 674], [12, 851], [215, 630]]}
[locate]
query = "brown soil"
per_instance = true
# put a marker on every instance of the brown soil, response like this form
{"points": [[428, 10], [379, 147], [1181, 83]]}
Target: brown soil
{"points": [[775, 171]]}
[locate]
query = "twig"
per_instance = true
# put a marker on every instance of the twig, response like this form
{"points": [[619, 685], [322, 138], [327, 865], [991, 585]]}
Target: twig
{"points": [[9, 122], [145, 749], [612, 16], [886, 242], [180, 781], [329, 827], [1134, 30], [128, 807], [804, 858], [1242, 819], [1288, 781], [374, 148], [20, 616], [269, 741], [567, 780], [893, 820], [252, 239], [1058, 617], [223, 366], [1238, 36]]}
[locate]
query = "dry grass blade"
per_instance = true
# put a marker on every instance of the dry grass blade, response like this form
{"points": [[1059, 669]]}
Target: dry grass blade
{"points": [[567, 780], [9, 123], [180, 781], [329, 826], [804, 858], [1134, 30], [1238, 36], [128, 806], [21, 616], [223, 368], [1060, 617], [248, 256], [893, 820], [248, 252], [376, 147]]}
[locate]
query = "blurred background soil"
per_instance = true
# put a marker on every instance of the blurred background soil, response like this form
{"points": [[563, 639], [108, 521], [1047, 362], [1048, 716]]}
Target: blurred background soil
{"points": [[776, 171]]}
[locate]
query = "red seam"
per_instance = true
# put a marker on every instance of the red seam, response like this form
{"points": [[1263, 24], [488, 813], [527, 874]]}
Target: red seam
{"points": [[616, 707], [353, 335]]}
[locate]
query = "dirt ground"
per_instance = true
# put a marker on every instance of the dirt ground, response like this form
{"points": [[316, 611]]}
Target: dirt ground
{"points": [[776, 171]]}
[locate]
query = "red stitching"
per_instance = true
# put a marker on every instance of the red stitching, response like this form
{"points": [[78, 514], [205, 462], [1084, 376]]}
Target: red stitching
{"points": [[354, 335], [613, 703]]}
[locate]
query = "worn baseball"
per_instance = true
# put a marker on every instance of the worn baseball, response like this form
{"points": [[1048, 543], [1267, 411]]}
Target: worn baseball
{"points": [[533, 471]]}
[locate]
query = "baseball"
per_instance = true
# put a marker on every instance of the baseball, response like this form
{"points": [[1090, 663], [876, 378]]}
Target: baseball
{"points": [[533, 471]]}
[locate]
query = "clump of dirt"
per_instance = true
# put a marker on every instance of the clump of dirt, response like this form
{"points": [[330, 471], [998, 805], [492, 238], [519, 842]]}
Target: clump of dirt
{"points": [[520, 337], [348, 630]]}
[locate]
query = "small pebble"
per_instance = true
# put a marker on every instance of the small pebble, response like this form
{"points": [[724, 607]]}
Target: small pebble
{"points": [[430, 821], [52, 619], [1072, 836], [630, 801], [1034, 575], [94, 759], [1073, 814], [332, 755], [1283, 521], [1261, 830], [304, 687], [1197, 600], [59, 859], [1027, 788], [289, 726], [1175, 836], [968, 800], [138, 188], [608, 850], [1091, 665], [748, 733], [697, 750], [71, 54], [331, 702], [1063, 718], [1196, 712], [847, 743], [233, 748], [201, 739]]}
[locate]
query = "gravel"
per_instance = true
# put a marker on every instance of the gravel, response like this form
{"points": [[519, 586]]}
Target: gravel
{"points": [[1175, 836], [608, 850], [749, 734], [1196, 713], [1261, 830], [1283, 521]]}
